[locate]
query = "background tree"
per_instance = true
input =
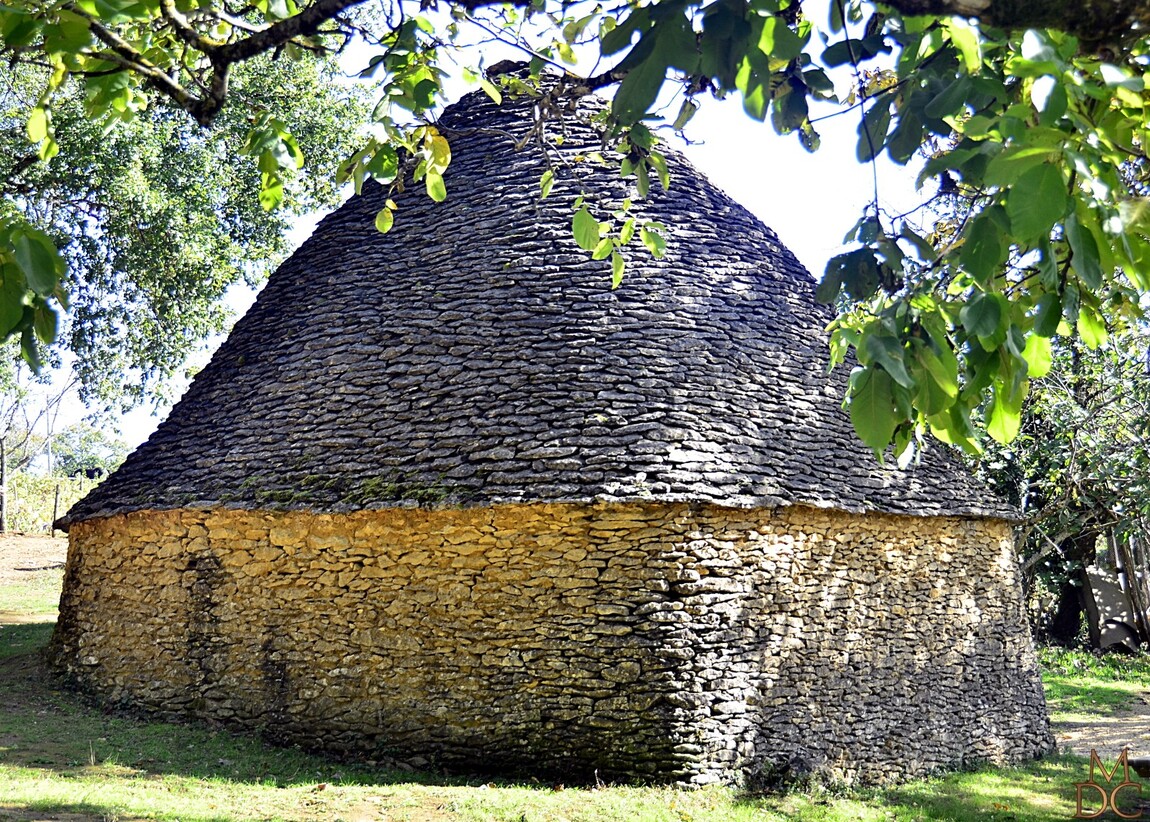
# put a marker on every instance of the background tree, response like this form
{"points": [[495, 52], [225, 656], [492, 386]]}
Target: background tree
{"points": [[1080, 473], [156, 218], [1030, 113], [82, 449]]}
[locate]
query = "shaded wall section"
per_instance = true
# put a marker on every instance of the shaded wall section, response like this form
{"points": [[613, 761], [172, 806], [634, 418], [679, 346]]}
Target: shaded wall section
{"points": [[667, 641]]}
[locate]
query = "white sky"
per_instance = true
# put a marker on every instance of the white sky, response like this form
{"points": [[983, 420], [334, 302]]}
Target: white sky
{"points": [[810, 200]]}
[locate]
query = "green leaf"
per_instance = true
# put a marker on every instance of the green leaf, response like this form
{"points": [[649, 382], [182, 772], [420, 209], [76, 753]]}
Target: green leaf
{"points": [[888, 352], [1049, 315], [660, 163], [586, 229], [832, 281], [491, 90], [440, 154], [943, 370], [1005, 168], [1036, 202], [44, 323], [37, 124], [603, 249], [1005, 415], [29, 350], [545, 183], [984, 251], [617, 266], [923, 248], [1086, 259], [1038, 356], [384, 220], [965, 40], [982, 316], [627, 231], [872, 410], [1091, 327], [38, 258], [686, 112], [653, 240], [948, 101], [779, 41], [872, 130], [13, 290], [436, 188], [639, 89], [271, 191]]}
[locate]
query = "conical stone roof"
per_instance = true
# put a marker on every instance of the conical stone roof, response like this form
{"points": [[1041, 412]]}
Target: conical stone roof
{"points": [[475, 355]]}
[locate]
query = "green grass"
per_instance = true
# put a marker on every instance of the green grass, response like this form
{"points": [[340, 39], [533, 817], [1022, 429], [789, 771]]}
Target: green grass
{"points": [[59, 757], [37, 593], [1079, 682]]}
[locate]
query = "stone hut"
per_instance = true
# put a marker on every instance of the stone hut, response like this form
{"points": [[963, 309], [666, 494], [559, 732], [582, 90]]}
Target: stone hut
{"points": [[445, 493]]}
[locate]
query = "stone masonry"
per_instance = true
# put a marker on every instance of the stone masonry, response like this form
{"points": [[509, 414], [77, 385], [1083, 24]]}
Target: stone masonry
{"points": [[685, 642]]}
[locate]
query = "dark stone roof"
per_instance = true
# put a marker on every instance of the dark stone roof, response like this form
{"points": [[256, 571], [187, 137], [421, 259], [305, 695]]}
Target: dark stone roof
{"points": [[476, 355]]}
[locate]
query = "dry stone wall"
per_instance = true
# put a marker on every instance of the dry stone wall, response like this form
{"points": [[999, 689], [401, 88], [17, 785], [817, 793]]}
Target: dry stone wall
{"points": [[667, 641]]}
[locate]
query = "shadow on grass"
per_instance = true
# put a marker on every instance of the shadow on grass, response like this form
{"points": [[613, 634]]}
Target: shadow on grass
{"points": [[45, 726], [73, 812], [1086, 694]]}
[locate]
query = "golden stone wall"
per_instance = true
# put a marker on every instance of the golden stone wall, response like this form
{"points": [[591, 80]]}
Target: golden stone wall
{"points": [[694, 643]]}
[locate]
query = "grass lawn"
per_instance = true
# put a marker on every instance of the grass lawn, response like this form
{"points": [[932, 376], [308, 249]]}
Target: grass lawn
{"points": [[60, 759]]}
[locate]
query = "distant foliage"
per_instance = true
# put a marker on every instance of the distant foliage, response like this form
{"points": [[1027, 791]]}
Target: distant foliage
{"points": [[31, 498]]}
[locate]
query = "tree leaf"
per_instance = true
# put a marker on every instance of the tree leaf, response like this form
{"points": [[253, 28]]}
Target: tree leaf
{"points": [[639, 89], [832, 281], [1091, 327], [872, 130], [1085, 250], [44, 323], [440, 154], [617, 266], [1036, 202], [384, 220], [943, 370], [888, 352], [965, 41], [586, 229], [13, 289], [37, 124], [984, 251], [436, 188], [872, 410], [982, 316], [1005, 414], [1038, 355], [38, 258], [491, 90], [1049, 315], [545, 183], [653, 240]]}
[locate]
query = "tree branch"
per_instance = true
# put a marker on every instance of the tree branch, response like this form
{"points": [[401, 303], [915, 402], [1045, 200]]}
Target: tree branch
{"points": [[1096, 22], [306, 22]]}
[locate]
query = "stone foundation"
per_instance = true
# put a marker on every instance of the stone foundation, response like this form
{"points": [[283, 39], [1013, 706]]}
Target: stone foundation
{"points": [[691, 643]]}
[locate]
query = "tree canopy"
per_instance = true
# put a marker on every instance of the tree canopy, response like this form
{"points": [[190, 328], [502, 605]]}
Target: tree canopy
{"points": [[1030, 116], [154, 218]]}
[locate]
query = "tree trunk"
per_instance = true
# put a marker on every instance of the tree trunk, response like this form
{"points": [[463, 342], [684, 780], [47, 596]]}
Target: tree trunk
{"points": [[3, 487], [1075, 597]]}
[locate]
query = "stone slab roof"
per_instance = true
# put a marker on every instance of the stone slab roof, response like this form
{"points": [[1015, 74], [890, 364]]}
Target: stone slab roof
{"points": [[475, 355]]}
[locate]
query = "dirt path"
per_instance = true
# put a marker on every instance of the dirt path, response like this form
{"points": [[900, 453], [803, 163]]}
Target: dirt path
{"points": [[21, 554], [1108, 735]]}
